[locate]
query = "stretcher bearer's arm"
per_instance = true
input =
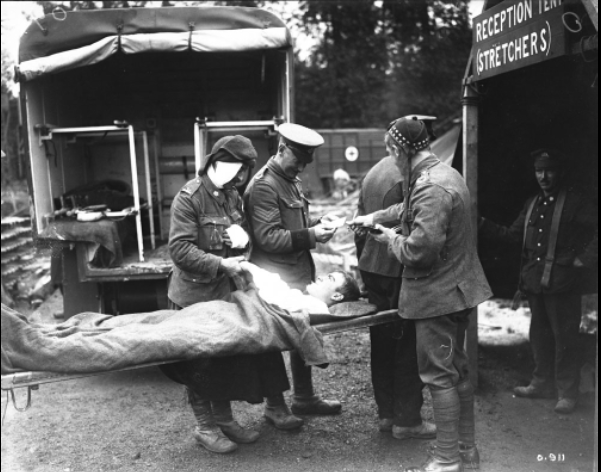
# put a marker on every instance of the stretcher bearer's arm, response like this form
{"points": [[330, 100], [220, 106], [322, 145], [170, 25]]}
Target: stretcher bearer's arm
{"points": [[432, 209], [184, 238], [266, 222]]}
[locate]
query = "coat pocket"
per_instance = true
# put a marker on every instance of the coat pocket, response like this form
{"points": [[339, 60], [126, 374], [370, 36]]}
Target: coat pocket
{"points": [[292, 213], [210, 232]]}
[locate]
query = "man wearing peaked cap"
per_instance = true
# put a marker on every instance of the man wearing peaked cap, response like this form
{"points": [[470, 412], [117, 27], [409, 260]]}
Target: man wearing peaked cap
{"points": [[300, 140], [206, 262], [443, 281], [283, 235], [557, 229]]}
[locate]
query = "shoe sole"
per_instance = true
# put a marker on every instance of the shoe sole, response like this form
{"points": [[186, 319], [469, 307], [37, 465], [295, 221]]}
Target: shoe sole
{"points": [[283, 428], [414, 436], [296, 411], [238, 440]]}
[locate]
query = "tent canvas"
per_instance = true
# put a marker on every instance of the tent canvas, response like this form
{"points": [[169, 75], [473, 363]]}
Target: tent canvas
{"points": [[66, 40]]}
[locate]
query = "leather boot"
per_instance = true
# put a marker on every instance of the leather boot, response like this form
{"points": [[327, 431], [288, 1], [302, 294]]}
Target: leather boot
{"points": [[469, 456], [467, 429], [433, 464], [278, 414], [222, 413], [207, 433], [444, 457], [305, 402]]}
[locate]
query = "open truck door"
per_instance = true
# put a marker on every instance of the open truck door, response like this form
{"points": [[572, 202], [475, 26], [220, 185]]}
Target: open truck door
{"points": [[119, 107]]}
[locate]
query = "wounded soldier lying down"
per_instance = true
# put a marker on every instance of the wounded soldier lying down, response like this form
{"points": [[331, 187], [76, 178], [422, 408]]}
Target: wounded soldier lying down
{"points": [[94, 342], [211, 384]]}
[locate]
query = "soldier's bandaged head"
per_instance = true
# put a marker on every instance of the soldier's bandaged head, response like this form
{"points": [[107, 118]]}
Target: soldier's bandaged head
{"points": [[231, 149]]}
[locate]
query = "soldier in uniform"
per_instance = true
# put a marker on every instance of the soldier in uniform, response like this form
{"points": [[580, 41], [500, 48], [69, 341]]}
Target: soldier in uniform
{"points": [[394, 373], [442, 281], [560, 218], [206, 262], [283, 235]]}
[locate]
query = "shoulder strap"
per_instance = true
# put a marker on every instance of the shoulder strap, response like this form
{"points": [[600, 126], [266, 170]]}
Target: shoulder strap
{"points": [[553, 239], [528, 215]]}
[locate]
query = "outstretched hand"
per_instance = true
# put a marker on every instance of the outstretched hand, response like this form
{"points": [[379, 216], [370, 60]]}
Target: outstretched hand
{"points": [[323, 234]]}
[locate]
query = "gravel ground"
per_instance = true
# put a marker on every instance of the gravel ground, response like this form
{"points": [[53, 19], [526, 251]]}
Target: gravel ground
{"points": [[138, 421]]}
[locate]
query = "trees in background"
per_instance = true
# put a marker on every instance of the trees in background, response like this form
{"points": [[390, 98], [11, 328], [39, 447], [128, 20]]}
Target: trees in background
{"points": [[377, 60], [372, 60]]}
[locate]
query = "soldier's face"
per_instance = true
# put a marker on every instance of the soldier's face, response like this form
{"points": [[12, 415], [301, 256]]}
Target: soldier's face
{"points": [[326, 287], [291, 165], [548, 178]]}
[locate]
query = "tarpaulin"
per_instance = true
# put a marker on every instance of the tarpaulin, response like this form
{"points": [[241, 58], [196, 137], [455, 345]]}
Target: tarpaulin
{"points": [[65, 40], [93, 342]]}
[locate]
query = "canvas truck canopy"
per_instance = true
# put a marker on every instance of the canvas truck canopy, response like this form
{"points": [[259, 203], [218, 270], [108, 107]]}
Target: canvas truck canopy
{"points": [[66, 40]]}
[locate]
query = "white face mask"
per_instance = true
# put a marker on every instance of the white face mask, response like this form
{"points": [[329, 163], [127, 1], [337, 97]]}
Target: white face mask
{"points": [[221, 173]]}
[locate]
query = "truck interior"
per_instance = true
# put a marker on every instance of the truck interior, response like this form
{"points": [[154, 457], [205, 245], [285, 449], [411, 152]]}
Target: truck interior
{"points": [[169, 102], [119, 108]]}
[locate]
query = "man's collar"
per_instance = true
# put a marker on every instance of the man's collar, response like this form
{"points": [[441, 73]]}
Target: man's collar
{"points": [[216, 193], [273, 165], [428, 162]]}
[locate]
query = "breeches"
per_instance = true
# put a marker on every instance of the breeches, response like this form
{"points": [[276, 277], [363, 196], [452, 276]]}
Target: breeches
{"points": [[441, 355]]}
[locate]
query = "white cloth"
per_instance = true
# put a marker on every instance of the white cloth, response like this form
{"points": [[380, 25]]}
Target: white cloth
{"points": [[274, 290], [238, 237], [221, 173]]}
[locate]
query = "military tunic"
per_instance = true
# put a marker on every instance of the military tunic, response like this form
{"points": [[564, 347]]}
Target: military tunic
{"points": [[442, 276], [556, 309], [278, 215], [200, 214]]}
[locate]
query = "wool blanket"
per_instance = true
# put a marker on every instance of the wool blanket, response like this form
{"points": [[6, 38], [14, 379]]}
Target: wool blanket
{"points": [[94, 342]]}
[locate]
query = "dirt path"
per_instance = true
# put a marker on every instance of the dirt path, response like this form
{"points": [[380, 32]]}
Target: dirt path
{"points": [[138, 421]]}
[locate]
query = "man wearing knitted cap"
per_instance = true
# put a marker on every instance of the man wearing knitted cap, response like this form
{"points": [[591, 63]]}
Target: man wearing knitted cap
{"points": [[207, 237], [442, 281], [558, 232], [283, 234]]}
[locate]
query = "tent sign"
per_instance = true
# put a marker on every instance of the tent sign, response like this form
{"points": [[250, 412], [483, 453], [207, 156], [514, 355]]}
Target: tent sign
{"points": [[515, 34]]}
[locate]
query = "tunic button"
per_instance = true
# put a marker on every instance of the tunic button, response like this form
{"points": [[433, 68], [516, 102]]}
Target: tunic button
{"points": [[538, 244], [540, 230], [538, 259], [551, 199], [542, 217], [216, 193]]}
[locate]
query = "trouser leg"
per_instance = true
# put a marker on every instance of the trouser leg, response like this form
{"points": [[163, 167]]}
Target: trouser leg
{"points": [[467, 423], [301, 378], [443, 365], [222, 411], [542, 341], [407, 386], [382, 368], [564, 312], [445, 403], [201, 408]]}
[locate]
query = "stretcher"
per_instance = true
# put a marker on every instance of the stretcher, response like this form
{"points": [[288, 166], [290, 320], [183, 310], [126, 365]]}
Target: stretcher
{"points": [[32, 380]]}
